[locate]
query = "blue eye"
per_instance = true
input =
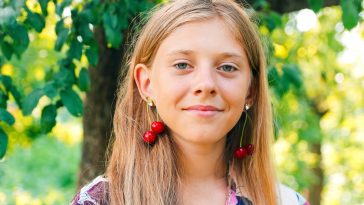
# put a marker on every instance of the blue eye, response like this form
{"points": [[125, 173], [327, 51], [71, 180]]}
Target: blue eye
{"points": [[181, 66], [228, 68]]}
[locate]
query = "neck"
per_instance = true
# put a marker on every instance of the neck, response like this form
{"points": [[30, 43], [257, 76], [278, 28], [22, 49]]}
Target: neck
{"points": [[202, 162]]}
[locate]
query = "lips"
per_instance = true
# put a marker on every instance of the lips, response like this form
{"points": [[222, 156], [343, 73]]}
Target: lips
{"points": [[202, 108]]}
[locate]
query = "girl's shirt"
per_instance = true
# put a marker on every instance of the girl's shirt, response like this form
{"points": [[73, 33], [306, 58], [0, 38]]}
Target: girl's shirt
{"points": [[95, 193]]}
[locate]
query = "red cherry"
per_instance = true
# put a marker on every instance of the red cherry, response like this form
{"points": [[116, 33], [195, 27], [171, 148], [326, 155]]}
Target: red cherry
{"points": [[240, 153], [157, 127], [149, 137], [249, 149]]}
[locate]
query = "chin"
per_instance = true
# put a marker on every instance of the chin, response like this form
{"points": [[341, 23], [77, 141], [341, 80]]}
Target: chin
{"points": [[203, 137]]}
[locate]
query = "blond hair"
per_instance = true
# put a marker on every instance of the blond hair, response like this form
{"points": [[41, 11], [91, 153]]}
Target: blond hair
{"points": [[141, 174]]}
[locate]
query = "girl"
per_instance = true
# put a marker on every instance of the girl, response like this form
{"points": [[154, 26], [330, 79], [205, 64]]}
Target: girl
{"points": [[193, 121]]}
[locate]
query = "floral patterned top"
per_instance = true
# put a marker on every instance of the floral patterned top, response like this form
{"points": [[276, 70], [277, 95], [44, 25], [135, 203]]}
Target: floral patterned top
{"points": [[95, 193]]}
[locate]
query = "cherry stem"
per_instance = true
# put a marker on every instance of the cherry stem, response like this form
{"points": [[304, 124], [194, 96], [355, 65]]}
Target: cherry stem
{"points": [[148, 113], [242, 133]]}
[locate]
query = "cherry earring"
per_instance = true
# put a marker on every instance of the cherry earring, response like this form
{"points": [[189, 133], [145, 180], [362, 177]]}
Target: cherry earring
{"points": [[243, 151], [157, 127]]}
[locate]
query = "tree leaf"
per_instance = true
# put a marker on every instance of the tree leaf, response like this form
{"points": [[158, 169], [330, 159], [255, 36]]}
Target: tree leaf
{"points": [[110, 19], [43, 6], [7, 81], [114, 38], [315, 5], [3, 143], [59, 26], [350, 14], [292, 74], [7, 50], [85, 32], [6, 117], [50, 90], [282, 88], [75, 50], [48, 118], [3, 99], [61, 39], [31, 101], [92, 55], [21, 39], [16, 94], [35, 20], [2, 60], [112, 31], [64, 78], [273, 76], [83, 80], [72, 102]]}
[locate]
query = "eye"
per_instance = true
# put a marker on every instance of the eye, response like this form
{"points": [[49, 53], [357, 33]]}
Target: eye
{"points": [[181, 66], [227, 68]]}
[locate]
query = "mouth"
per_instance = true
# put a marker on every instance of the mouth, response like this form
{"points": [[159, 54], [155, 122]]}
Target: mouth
{"points": [[203, 110]]}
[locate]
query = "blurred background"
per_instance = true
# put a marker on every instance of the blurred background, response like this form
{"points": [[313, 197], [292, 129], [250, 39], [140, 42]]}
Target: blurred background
{"points": [[59, 65]]}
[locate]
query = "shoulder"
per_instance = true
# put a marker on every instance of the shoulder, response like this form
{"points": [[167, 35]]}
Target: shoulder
{"points": [[93, 193], [288, 196]]}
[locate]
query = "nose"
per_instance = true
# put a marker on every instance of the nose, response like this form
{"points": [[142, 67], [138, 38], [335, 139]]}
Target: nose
{"points": [[205, 82]]}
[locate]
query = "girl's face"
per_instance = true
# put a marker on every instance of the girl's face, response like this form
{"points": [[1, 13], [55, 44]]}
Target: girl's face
{"points": [[199, 81]]}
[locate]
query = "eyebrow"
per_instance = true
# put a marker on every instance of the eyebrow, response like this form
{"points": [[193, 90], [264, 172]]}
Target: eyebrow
{"points": [[232, 55], [180, 51], [222, 55]]}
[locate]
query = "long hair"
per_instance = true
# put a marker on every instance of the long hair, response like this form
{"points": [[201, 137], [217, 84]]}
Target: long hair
{"points": [[141, 174]]}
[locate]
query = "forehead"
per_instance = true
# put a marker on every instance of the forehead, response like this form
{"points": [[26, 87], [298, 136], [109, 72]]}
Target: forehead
{"points": [[211, 36]]}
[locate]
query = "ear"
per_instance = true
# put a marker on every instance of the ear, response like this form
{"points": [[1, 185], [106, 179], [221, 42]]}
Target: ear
{"points": [[142, 79]]}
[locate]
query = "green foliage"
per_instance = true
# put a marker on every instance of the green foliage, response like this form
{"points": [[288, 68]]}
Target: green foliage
{"points": [[43, 5], [62, 35], [48, 118], [6, 117], [72, 102], [84, 80], [19, 38], [3, 142], [31, 101], [77, 38], [351, 9], [270, 19], [75, 50], [315, 5], [290, 77], [34, 20], [44, 173], [315, 115], [92, 55]]}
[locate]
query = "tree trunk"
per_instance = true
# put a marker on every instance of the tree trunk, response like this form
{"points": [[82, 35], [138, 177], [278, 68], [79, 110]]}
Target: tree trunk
{"points": [[99, 109], [314, 195], [315, 189]]}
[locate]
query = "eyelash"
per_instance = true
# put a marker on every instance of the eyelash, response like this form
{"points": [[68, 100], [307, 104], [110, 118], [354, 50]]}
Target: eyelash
{"points": [[232, 67], [219, 68], [176, 66]]}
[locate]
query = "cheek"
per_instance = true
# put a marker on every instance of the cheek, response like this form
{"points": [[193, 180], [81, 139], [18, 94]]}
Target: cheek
{"points": [[167, 92], [234, 93]]}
